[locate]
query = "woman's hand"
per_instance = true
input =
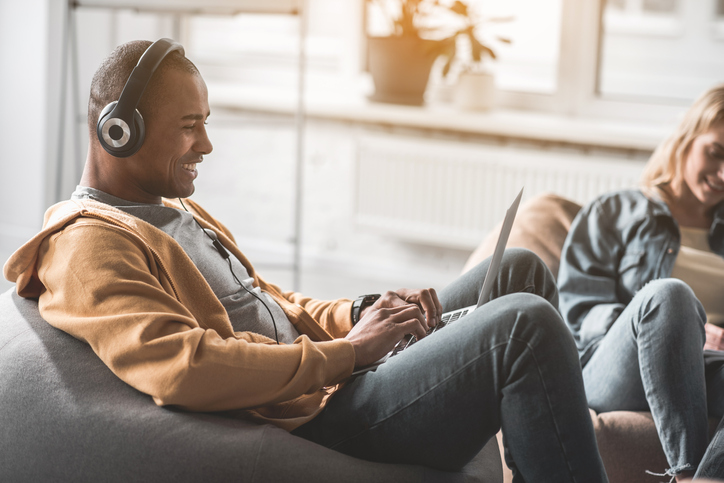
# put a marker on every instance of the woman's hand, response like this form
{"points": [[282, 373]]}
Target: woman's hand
{"points": [[714, 338]]}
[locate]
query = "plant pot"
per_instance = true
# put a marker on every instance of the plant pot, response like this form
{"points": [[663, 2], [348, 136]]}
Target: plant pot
{"points": [[475, 91], [400, 68]]}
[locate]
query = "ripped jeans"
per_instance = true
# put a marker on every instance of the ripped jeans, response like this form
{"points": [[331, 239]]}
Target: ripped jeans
{"points": [[510, 364], [652, 359]]}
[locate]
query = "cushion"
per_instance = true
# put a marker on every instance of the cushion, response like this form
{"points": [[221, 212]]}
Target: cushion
{"points": [[66, 417]]}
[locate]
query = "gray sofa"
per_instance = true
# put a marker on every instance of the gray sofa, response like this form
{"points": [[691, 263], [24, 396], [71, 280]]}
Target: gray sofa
{"points": [[65, 417]]}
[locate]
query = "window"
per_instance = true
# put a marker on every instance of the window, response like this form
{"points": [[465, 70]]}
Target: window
{"points": [[667, 49], [262, 50], [528, 64], [642, 59]]}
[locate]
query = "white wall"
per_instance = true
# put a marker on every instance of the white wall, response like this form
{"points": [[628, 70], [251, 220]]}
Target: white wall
{"points": [[29, 49]]}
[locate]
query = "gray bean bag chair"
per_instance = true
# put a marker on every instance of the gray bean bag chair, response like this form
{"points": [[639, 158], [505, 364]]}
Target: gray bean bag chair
{"points": [[65, 417]]}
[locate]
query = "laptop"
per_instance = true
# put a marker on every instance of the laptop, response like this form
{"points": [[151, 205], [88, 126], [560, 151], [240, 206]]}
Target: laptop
{"points": [[490, 275]]}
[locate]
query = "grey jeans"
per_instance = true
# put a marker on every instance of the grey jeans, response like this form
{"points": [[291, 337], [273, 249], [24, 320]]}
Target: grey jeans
{"points": [[511, 364], [651, 359]]}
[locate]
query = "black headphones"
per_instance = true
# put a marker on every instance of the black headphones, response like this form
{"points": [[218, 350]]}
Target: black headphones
{"points": [[120, 127]]}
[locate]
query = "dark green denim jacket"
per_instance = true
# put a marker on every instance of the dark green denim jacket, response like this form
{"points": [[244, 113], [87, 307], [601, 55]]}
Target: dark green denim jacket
{"points": [[616, 244]]}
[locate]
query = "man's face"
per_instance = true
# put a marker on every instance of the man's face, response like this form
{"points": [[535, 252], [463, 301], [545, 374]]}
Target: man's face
{"points": [[175, 142]]}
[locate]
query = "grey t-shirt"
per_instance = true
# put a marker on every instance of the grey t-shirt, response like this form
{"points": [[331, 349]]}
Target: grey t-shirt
{"points": [[246, 312]]}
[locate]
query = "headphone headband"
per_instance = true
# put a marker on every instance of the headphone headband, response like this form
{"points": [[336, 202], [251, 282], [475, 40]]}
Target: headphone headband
{"points": [[120, 127]]}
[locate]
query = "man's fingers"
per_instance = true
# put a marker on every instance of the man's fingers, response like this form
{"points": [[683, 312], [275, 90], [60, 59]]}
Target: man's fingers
{"points": [[431, 306], [409, 320], [438, 305], [414, 327]]}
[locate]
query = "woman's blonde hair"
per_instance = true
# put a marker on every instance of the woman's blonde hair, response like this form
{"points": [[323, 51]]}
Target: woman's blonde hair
{"points": [[665, 164]]}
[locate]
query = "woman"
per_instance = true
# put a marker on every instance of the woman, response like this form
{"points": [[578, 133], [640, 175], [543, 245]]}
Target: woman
{"points": [[641, 272]]}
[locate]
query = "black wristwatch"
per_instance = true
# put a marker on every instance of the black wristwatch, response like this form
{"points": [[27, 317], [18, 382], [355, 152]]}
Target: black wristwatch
{"points": [[360, 303]]}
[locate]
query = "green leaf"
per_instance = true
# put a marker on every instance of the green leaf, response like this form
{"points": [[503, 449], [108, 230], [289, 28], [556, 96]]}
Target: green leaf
{"points": [[478, 49], [446, 67], [460, 8]]}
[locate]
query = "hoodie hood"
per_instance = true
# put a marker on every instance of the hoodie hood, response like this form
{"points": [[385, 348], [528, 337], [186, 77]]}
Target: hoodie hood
{"points": [[21, 267]]}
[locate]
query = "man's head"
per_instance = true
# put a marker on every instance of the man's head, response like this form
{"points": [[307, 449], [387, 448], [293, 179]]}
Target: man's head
{"points": [[174, 107]]}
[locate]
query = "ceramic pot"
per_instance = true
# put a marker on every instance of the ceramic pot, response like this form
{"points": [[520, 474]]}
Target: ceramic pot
{"points": [[400, 68], [475, 91]]}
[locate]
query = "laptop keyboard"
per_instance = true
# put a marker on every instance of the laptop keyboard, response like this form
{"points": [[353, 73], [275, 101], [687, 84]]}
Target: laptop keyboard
{"points": [[447, 319]]}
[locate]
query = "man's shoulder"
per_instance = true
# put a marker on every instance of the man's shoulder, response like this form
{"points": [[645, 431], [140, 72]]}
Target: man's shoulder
{"points": [[61, 213], [85, 222]]}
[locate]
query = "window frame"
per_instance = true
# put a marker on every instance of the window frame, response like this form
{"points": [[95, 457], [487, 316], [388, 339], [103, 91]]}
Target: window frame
{"points": [[577, 90], [577, 78]]}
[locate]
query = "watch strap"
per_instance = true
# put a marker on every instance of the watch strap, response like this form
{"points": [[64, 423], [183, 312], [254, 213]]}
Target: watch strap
{"points": [[360, 304]]}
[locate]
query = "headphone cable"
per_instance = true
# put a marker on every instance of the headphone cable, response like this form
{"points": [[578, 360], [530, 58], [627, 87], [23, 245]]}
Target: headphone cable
{"points": [[227, 256]]}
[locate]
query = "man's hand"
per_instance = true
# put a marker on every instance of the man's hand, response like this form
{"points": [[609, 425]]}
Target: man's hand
{"points": [[389, 319], [714, 338], [381, 328], [425, 299]]}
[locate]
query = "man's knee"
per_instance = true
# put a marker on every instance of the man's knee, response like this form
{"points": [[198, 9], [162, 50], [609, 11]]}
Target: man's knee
{"points": [[526, 272], [535, 317], [522, 257]]}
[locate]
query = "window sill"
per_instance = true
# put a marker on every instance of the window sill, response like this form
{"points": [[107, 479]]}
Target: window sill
{"points": [[506, 123]]}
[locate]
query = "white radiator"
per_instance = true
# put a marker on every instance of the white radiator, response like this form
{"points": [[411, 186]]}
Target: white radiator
{"points": [[451, 194]]}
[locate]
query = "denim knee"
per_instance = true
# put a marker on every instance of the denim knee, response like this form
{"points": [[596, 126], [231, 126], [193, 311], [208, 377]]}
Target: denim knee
{"points": [[537, 317], [522, 257], [671, 302], [532, 274]]}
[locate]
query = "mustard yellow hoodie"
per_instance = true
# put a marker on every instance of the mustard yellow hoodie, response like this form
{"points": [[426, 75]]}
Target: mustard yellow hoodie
{"points": [[130, 291]]}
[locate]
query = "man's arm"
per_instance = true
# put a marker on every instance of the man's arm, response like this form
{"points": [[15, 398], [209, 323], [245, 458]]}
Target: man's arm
{"points": [[102, 287]]}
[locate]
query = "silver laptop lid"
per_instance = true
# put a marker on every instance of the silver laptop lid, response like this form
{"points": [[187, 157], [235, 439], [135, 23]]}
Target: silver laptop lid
{"points": [[494, 266]]}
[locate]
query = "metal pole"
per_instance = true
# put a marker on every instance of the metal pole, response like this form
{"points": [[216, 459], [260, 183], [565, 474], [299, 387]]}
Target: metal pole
{"points": [[79, 161], [62, 118], [300, 120]]}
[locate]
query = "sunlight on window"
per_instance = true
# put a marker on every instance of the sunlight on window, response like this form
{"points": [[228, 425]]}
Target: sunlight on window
{"points": [[528, 64], [263, 50], [669, 49]]}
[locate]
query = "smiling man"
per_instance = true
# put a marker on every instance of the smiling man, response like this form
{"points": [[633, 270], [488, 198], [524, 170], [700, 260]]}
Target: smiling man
{"points": [[175, 107], [167, 300]]}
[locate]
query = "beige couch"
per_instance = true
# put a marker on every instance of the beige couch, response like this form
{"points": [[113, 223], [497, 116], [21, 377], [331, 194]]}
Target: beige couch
{"points": [[628, 441]]}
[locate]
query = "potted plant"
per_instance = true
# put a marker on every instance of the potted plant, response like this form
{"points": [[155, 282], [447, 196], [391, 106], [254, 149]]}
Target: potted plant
{"points": [[475, 87], [400, 62]]}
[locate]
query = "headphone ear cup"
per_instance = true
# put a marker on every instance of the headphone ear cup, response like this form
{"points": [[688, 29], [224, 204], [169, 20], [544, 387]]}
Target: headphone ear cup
{"points": [[133, 133], [138, 136], [102, 118]]}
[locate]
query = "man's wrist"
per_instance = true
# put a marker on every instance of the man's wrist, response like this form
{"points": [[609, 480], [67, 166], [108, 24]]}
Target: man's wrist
{"points": [[361, 303]]}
